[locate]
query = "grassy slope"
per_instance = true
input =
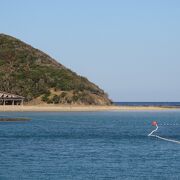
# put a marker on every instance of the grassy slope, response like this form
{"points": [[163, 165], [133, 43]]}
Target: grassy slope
{"points": [[31, 73]]}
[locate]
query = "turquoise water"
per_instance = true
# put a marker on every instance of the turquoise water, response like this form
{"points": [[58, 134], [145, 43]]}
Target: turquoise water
{"points": [[96, 145]]}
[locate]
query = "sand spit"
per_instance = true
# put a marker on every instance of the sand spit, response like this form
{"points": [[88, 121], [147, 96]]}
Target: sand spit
{"points": [[80, 108]]}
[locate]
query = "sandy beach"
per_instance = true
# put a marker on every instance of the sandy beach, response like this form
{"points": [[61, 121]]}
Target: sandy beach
{"points": [[80, 108]]}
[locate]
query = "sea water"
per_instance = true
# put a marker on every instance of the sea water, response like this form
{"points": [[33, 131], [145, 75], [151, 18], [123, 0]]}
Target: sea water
{"points": [[90, 145], [154, 104]]}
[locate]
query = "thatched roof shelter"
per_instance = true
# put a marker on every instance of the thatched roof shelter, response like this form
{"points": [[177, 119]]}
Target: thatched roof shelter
{"points": [[10, 99]]}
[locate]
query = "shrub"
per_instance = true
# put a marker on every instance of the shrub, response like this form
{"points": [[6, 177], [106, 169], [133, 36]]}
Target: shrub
{"points": [[56, 99], [45, 98]]}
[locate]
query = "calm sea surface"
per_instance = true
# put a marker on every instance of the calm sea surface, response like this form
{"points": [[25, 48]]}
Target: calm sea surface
{"points": [[164, 104], [96, 145]]}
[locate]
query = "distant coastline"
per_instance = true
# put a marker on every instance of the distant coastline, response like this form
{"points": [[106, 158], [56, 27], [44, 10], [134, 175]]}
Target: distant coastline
{"points": [[82, 108]]}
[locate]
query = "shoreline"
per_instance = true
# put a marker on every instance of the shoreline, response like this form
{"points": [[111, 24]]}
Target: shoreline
{"points": [[81, 108]]}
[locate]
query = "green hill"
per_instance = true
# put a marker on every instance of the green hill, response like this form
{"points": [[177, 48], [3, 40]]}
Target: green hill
{"points": [[29, 72]]}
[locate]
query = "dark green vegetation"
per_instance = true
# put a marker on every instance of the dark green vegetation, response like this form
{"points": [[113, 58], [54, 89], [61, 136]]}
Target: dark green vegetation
{"points": [[29, 72]]}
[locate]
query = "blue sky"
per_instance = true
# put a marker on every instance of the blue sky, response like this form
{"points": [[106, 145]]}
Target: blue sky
{"points": [[130, 48]]}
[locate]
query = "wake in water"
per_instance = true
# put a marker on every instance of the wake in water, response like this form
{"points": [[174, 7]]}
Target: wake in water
{"points": [[154, 123]]}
